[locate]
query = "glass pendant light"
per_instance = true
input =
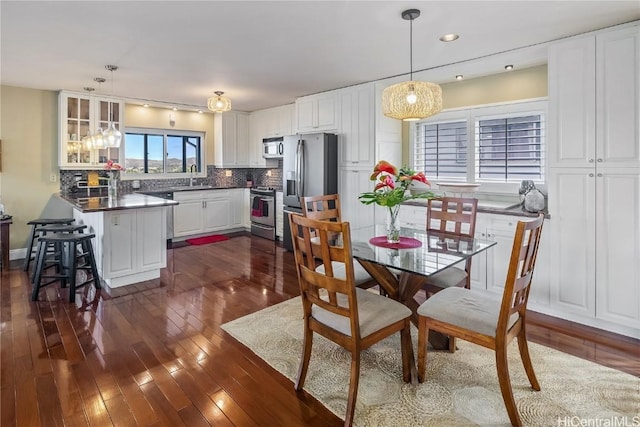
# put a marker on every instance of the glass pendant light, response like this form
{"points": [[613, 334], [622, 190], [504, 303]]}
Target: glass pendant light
{"points": [[412, 100], [111, 136], [97, 140]]}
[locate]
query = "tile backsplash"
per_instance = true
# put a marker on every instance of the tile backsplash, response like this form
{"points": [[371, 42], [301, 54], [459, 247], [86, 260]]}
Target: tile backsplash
{"points": [[216, 177]]}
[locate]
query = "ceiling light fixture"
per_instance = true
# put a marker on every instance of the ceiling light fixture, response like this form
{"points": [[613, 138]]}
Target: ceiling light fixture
{"points": [[448, 37], [459, 77], [412, 100], [95, 141], [112, 137], [219, 103], [508, 67]]}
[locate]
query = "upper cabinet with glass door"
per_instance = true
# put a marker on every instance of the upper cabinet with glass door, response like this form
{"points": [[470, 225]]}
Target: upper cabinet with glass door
{"points": [[81, 115]]}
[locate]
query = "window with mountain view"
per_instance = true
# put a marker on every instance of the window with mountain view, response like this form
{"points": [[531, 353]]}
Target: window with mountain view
{"points": [[162, 152]]}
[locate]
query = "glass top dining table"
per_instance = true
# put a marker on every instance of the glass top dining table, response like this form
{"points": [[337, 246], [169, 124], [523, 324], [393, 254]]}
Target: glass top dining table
{"points": [[402, 270], [435, 251]]}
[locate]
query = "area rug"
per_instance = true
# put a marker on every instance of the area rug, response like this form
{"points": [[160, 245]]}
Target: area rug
{"points": [[207, 239], [461, 388]]}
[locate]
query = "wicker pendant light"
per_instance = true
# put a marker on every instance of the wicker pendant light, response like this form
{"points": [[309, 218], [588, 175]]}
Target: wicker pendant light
{"points": [[411, 100], [219, 103]]}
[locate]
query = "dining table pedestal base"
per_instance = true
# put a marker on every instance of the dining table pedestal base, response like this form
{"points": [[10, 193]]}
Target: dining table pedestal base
{"points": [[403, 289]]}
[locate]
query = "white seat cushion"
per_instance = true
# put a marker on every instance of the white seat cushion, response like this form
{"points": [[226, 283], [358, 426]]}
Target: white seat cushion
{"points": [[374, 313], [360, 274], [447, 278], [466, 308]]}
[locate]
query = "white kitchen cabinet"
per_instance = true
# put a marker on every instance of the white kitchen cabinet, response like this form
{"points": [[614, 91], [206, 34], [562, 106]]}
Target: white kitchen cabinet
{"points": [[236, 207], [354, 182], [259, 122], [594, 185], [216, 207], [356, 136], [130, 245], [413, 216], [594, 92], [317, 113], [206, 211], [78, 114], [489, 268], [279, 120], [596, 227], [231, 139], [279, 215], [188, 215], [246, 208]]}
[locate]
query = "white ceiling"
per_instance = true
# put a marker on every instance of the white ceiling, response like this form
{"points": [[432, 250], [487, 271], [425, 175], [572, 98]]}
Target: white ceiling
{"points": [[267, 53]]}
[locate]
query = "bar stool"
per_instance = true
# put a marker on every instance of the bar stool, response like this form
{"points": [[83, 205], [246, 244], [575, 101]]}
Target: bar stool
{"points": [[53, 252], [36, 224], [73, 247]]}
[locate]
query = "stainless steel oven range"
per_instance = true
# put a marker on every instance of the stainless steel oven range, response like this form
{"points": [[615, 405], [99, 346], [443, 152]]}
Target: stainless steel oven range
{"points": [[263, 212]]}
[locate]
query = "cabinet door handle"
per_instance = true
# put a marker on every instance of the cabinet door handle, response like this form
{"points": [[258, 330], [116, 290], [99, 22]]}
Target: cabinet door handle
{"points": [[591, 175], [599, 160], [599, 175], [590, 160]]}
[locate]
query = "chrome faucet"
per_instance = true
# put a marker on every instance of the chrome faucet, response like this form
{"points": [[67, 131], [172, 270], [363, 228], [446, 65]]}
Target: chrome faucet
{"points": [[192, 169]]}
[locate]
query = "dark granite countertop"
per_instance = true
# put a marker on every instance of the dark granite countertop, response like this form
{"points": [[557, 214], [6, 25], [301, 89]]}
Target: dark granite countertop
{"points": [[490, 207], [124, 201]]}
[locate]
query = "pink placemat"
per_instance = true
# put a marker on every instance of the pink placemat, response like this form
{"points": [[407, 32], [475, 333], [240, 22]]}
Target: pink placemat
{"points": [[405, 242]]}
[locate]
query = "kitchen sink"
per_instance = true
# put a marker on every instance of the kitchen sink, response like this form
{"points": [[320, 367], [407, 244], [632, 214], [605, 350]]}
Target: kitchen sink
{"points": [[191, 187]]}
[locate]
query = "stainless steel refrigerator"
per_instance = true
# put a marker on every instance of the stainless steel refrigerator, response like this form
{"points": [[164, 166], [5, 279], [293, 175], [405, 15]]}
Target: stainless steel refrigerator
{"points": [[309, 168]]}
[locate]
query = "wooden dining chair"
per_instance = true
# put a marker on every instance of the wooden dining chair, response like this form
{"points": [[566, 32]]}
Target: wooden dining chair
{"points": [[334, 308], [486, 319], [327, 208], [455, 216]]}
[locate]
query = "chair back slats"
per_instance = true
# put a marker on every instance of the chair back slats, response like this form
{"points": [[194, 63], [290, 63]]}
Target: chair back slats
{"points": [[521, 266], [455, 215], [318, 242], [324, 208]]}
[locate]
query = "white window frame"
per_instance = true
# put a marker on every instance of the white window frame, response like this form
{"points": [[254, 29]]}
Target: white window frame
{"points": [[483, 112], [141, 176]]}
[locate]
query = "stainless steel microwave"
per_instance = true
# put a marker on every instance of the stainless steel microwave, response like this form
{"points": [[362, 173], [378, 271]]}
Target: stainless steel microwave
{"points": [[273, 148]]}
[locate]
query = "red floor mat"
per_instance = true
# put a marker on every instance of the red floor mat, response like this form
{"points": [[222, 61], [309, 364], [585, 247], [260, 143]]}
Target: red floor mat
{"points": [[207, 239]]}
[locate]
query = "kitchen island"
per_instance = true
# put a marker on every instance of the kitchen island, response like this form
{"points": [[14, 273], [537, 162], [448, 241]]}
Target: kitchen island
{"points": [[131, 240]]}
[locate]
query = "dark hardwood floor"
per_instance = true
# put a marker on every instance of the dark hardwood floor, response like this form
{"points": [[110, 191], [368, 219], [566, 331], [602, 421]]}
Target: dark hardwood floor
{"points": [[157, 356]]}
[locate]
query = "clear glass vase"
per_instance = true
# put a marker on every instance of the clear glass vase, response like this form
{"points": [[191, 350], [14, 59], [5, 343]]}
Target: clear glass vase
{"points": [[393, 228], [112, 187]]}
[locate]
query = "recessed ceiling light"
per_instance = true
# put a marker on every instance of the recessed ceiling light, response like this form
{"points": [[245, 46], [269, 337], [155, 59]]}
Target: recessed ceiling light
{"points": [[199, 111], [175, 108], [508, 67], [459, 77], [146, 105], [449, 37]]}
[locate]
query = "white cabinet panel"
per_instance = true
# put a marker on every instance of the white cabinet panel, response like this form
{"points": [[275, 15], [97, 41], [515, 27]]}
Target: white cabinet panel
{"points": [[151, 245], [120, 259], [618, 246], [572, 80], [572, 204], [356, 136], [279, 215], [618, 95], [216, 214], [210, 210], [317, 113], [231, 139], [352, 184], [132, 243], [187, 218]]}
